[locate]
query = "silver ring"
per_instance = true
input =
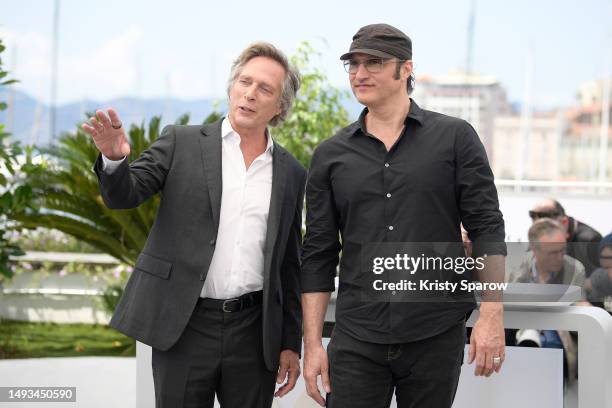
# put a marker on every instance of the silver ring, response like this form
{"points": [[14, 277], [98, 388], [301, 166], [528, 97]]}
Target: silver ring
{"points": [[117, 127], [496, 360]]}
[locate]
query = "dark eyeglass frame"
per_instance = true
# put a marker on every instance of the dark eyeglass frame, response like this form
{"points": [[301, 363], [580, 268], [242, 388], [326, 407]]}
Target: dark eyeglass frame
{"points": [[372, 65], [543, 214]]}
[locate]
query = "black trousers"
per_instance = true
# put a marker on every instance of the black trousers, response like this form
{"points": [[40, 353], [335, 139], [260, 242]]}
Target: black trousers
{"points": [[423, 373], [218, 353]]}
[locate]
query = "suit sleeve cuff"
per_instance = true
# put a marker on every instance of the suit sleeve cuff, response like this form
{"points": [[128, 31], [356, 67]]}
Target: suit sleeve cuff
{"points": [[109, 166], [293, 346]]}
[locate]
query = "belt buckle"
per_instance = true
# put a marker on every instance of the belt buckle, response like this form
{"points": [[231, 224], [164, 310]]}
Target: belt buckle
{"points": [[228, 302]]}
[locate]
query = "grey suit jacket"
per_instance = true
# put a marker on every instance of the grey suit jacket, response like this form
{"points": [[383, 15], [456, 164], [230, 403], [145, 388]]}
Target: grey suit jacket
{"points": [[184, 166]]}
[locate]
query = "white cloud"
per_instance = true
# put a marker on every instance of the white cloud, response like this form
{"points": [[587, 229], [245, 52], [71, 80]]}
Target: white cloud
{"points": [[182, 83], [193, 75], [104, 71], [28, 57]]}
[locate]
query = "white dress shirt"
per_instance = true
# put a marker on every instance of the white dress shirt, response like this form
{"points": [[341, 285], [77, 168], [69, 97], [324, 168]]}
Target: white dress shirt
{"points": [[237, 264]]}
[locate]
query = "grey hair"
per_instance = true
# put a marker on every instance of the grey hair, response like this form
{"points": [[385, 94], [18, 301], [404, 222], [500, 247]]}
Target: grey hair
{"points": [[292, 81], [544, 226]]}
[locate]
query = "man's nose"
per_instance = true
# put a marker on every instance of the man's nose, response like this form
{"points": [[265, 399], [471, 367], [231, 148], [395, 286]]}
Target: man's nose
{"points": [[250, 93], [362, 72]]}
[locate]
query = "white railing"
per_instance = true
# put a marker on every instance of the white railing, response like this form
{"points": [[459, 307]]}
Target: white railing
{"points": [[579, 187], [65, 257], [72, 298]]}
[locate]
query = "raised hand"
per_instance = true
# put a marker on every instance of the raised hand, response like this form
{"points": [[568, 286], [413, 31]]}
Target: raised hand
{"points": [[108, 134]]}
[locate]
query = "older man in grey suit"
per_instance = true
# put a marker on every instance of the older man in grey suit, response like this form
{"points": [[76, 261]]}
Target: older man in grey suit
{"points": [[215, 290]]}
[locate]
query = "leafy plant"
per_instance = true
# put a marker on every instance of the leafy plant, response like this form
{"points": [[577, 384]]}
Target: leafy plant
{"points": [[70, 198], [317, 112], [16, 193]]}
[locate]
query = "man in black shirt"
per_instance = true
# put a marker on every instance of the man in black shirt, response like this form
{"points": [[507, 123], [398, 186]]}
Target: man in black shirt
{"points": [[400, 174], [582, 239]]}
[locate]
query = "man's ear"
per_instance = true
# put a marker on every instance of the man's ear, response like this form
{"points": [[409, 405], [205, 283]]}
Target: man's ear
{"points": [[407, 69], [565, 223]]}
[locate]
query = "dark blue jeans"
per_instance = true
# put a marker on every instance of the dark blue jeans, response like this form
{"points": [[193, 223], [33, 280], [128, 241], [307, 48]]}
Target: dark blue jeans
{"points": [[423, 373]]}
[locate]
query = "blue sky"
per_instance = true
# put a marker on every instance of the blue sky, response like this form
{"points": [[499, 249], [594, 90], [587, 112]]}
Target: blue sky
{"points": [[183, 48]]}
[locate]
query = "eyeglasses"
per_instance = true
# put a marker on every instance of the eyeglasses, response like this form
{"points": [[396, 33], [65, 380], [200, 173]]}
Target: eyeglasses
{"points": [[373, 66], [543, 214]]}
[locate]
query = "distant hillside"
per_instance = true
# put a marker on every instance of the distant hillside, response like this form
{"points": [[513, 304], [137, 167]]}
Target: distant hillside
{"points": [[31, 118]]}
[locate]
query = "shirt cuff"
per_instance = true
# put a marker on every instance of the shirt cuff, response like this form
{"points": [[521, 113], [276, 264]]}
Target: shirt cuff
{"points": [[109, 166]]}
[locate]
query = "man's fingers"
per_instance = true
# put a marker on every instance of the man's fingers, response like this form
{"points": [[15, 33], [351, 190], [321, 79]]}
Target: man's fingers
{"points": [[114, 116], [294, 373], [480, 363], [88, 129], [95, 124], [311, 384], [282, 391], [325, 379], [471, 352], [312, 389], [103, 118], [282, 372], [488, 364], [498, 353], [502, 356]]}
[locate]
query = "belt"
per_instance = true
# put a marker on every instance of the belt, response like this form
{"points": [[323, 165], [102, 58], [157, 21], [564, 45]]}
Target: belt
{"points": [[232, 305]]}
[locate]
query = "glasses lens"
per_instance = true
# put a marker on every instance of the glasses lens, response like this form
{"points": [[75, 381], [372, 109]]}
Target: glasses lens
{"points": [[543, 214], [347, 65], [374, 65]]}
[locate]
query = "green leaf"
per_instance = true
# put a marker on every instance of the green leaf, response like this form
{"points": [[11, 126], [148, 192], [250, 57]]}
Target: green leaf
{"points": [[5, 271]]}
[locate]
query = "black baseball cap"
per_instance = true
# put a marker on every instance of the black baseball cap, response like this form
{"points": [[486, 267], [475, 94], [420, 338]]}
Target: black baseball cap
{"points": [[380, 40]]}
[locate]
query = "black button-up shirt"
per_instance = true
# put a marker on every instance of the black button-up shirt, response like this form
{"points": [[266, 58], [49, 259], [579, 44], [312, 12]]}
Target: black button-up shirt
{"points": [[435, 176]]}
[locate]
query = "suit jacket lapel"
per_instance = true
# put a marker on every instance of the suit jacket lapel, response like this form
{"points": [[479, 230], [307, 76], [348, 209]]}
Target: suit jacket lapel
{"points": [[210, 146], [279, 181]]}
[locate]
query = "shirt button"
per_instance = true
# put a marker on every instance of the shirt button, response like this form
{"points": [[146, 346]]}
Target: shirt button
{"points": [[388, 195], [213, 242], [386, 164], [390, 227]]}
